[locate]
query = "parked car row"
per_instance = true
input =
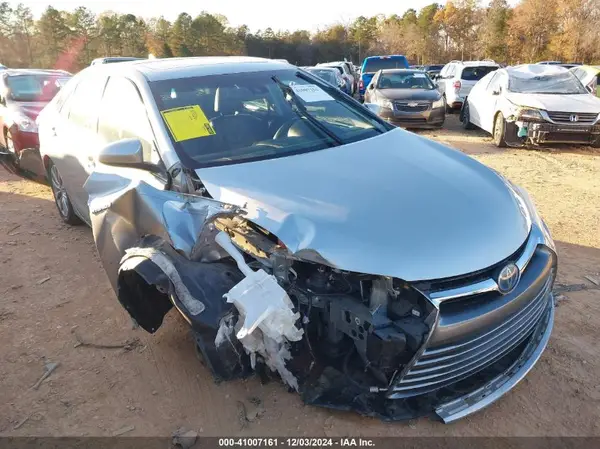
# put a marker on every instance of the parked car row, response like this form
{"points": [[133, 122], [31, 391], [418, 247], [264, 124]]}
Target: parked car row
{"points": [[535, 104], [246, 194], [23, 94]]}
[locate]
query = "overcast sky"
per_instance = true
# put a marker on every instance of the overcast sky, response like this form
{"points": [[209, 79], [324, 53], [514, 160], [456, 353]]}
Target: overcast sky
{"points": [[257, 14]]}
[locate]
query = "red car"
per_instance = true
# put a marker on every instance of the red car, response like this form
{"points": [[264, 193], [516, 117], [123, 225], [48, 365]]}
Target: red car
{"points": [[23, 94]]}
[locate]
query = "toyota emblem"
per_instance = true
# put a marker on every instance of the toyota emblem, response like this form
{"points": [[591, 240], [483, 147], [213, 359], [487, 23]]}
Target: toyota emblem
{"points": [[574, 117], [508, 278]]}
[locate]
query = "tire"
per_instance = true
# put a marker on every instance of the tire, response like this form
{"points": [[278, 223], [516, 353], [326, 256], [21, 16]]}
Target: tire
{"points": [[61, 198], [465, 117], [446, 108], [499, 131]]}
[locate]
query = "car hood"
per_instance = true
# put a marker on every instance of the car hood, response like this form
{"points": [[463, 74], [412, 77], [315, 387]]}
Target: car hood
{"points": [[564, 103], [410, 94], [30, 108], [396, 205]]}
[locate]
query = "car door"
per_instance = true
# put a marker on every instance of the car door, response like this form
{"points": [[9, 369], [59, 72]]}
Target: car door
{"points": [[477, 98], [489, 100], [370, 96], [3, 113], [79, 138], [446, 77]]}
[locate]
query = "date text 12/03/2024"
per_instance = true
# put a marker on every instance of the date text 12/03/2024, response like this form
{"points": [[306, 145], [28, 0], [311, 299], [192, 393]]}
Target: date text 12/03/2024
{"points": [[295, 442]]}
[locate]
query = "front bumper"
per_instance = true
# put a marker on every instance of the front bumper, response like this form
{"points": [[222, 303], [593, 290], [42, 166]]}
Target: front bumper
{"points": [[506, 381], [540, 133], [24, 140], [430, 118]]}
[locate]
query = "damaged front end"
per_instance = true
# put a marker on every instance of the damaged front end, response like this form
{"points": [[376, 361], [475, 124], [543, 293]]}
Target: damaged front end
{"points": [[537, 127], [344, 340]]}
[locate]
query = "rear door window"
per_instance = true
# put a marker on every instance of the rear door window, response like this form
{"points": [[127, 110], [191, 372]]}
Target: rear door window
{"points": [[83, 106], [476, 73]]}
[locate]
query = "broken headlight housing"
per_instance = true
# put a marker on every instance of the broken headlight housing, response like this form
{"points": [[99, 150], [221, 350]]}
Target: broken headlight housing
{"points": [[25, 124], [385, 103], [530, 115]]}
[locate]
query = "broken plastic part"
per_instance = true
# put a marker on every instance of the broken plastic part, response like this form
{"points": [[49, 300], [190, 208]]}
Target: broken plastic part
{"points": [[134, 256], [261, 300], [267, 320]]}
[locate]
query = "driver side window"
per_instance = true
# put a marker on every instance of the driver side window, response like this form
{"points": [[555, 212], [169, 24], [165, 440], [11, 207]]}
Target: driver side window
{"points": [[494, 84], [123, 115]]}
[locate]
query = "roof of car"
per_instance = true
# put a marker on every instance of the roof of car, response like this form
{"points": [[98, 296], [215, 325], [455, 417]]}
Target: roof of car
{"points": [[533, 70], [15, 72], [477, 63], [169, 68], [412, 70]]}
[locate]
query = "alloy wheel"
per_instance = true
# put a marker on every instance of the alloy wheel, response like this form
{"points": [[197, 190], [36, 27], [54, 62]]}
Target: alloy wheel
{"points": [[60, 194]]}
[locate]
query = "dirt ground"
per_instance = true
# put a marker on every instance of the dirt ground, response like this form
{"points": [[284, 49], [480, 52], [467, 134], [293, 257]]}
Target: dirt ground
{"points": [[53, 290]]}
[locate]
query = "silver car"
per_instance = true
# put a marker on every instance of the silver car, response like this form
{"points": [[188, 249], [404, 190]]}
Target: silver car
{"points": [[371, 269]]}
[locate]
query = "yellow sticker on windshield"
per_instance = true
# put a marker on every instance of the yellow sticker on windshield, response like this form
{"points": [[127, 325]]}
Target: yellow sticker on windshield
{"points": [[188, 122]]}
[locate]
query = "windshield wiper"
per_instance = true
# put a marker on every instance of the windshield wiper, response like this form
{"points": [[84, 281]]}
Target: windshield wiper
{"points": [[303, 112]]}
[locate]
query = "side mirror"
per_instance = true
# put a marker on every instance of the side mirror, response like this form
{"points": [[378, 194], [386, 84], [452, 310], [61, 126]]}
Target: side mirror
{"points": [[127, 153], [371, 86]]}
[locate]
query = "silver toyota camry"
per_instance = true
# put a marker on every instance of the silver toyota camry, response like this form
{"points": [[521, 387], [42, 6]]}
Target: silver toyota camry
{"points": [[302, 237]]}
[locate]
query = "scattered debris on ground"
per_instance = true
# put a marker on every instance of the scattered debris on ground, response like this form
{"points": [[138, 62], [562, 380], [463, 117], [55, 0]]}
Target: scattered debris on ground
{"points": [[184, 439], [50, 367], [43, 280], [248, 413], [127, 346], [123, 431]]}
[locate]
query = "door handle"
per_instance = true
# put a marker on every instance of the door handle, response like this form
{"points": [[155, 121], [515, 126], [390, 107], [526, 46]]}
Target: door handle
{"points": [[53, 131]]}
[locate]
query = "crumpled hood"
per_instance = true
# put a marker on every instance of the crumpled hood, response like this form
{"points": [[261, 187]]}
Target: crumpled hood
{"points": [[397, 204], [562, 103], [411, 94]]}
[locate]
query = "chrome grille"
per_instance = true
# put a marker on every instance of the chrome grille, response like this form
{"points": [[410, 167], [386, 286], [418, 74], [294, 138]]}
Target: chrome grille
{"points": [[411, 106], [441, 366], [565, 117]]}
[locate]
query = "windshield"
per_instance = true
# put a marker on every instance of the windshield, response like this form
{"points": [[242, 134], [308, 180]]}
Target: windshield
{"points": [[242, 117], [476, 73], [327, 75], [405, 80], [558, 83], [35, 87], [375, 65]]}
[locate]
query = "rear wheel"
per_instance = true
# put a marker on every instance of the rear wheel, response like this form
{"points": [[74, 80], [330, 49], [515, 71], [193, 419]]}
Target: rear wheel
{"points": [[499, 130], [466, 117], [61, 198]]}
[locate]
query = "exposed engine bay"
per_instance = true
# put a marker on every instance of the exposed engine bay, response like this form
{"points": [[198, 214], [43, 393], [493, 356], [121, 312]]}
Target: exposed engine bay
{"points": [[264, 311]]}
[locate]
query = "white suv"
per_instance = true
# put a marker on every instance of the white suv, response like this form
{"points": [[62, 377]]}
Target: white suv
{"points": [[458, 77]]}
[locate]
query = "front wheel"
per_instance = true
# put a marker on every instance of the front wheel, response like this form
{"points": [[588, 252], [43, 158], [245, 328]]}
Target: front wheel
{"points": [[61, 198], [499, 130]]}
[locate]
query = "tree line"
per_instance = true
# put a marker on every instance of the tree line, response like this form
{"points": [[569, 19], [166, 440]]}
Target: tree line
{"points": [[567, 30]]}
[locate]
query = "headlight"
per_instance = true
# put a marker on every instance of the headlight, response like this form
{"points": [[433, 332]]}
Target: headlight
{"points": [[385, 103], [25, 124], [531, 214], [530, 115], [438, 103]]}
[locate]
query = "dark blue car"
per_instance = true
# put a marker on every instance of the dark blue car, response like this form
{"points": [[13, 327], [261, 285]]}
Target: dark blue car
{"points": [[374, 64]]}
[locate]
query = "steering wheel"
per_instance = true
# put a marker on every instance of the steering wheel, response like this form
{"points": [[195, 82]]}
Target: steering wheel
{"points": [[237, 138], [284, 129]]}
